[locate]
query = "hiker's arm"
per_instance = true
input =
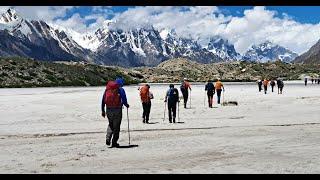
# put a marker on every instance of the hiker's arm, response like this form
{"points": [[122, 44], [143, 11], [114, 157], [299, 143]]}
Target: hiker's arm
{"points": [[103, 113], [123, 97]]}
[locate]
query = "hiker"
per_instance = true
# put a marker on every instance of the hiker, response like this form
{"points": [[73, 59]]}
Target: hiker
{"points": [[218, 86], [210, 92], [318, 81], [305, 81], [272, 84], [312, 80], [259, 84], [113, 99], [146, 96], [185, 86], [172, 98], [280, 85], [265, 85]]}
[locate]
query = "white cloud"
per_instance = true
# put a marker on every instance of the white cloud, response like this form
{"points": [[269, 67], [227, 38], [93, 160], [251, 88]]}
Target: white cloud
{"points": [[255, 26]]}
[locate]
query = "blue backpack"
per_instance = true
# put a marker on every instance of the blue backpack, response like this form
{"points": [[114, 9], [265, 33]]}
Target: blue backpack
{"points": [[173, 95]]}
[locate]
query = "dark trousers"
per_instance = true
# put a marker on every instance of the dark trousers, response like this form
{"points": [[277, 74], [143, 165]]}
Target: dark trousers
{"points": [[260, 87], [305, 83], [210, 98], [219, 95], [114, 117], [280, 89], [272, 88], [185, 98], [172, 108], [146, 111], [265, 89]]}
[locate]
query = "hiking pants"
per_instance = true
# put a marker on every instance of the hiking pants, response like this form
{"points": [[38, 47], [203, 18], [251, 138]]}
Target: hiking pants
{"points": [[260, 87], [272, 88], [146, 111], [210, 98], [280, 89], [114, 117], [305, 83], [265, 89], [185, 98], [219, 95], [172, 108]]}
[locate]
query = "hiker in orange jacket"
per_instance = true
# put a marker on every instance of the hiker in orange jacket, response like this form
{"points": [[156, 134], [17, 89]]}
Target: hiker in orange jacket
{"points": [[146, 96], [265, 85], [218, 86]]}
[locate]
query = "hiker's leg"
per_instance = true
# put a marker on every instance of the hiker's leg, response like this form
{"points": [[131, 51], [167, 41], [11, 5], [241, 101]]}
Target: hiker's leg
{"points": [[148, 108], [170, 111], [219, 95], [116, 125], [174, 110], [110, 126], [144, 111], [185, 99], [211, 100]]}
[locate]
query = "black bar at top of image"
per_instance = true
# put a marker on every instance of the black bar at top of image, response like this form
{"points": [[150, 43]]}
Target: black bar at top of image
{"points": [[157, 2]]}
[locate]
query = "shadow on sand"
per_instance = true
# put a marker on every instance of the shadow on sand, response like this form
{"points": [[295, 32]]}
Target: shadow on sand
{"points": [[128, 146]]}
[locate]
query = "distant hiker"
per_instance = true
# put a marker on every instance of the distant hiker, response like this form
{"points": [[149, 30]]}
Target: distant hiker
{"points": [[265, 85], [272, 84], [218, 86], [146, 96], [305, 81], [280, 85], [318, 81], [259, 85], [113, 99], [185, 86], [210, 92], [172, 98], [312, 80]]}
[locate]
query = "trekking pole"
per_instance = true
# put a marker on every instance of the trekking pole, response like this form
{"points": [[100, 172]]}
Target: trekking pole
{"points": [[204, 99], [128, 125], [190, 99], [164, 111], [178, 111]]}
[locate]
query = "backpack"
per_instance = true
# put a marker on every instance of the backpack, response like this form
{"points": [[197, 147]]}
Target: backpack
{"points": [[173, 95], [183, 87], [144, 94], [210, 87], [112, 95]]}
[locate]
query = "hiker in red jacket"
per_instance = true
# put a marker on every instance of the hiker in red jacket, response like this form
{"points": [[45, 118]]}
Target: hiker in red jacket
{"points": [[113, 99]]}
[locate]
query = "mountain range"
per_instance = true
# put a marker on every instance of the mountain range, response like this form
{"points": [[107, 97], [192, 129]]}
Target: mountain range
{"points": [[108, 45]]}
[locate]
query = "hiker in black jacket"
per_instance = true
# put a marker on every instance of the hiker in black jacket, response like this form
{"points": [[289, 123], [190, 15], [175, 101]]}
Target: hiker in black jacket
{"points": [[210, 92]]}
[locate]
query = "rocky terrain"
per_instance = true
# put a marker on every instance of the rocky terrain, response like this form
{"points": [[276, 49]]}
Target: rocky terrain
{"points": [[312, 56], [176, 69], [21, 72]]}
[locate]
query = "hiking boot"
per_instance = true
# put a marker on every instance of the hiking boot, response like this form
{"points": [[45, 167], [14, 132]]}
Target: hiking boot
{"points": [[115, 145], [170, 121], [174, 120], [107, 142]]}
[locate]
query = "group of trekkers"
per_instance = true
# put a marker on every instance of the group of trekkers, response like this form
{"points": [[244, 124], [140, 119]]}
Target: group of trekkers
{"points": [[312, 79], [273, 83], [114, 98]]}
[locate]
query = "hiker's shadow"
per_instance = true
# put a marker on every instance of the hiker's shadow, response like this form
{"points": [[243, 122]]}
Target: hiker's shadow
{"points": [[128, 146], [180, 122], [152, 122]]}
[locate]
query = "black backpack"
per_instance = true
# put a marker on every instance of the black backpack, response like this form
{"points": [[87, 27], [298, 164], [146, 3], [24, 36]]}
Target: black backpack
{"points": [[210, 87], [173, 95]]}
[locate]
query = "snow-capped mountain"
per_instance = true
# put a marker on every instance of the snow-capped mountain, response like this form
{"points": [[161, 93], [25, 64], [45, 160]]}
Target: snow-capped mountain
{"points": [[221, 47], [268, 51], [109, 45], [25, 38], [147, 47]]}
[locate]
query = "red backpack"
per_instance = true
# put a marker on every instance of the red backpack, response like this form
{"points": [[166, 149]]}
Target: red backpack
{"points": [[144, 94], [112, 96]]}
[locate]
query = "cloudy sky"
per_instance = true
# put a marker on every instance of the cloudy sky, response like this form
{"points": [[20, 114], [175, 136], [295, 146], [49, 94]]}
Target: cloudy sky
{"points": [[296, 28]]}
